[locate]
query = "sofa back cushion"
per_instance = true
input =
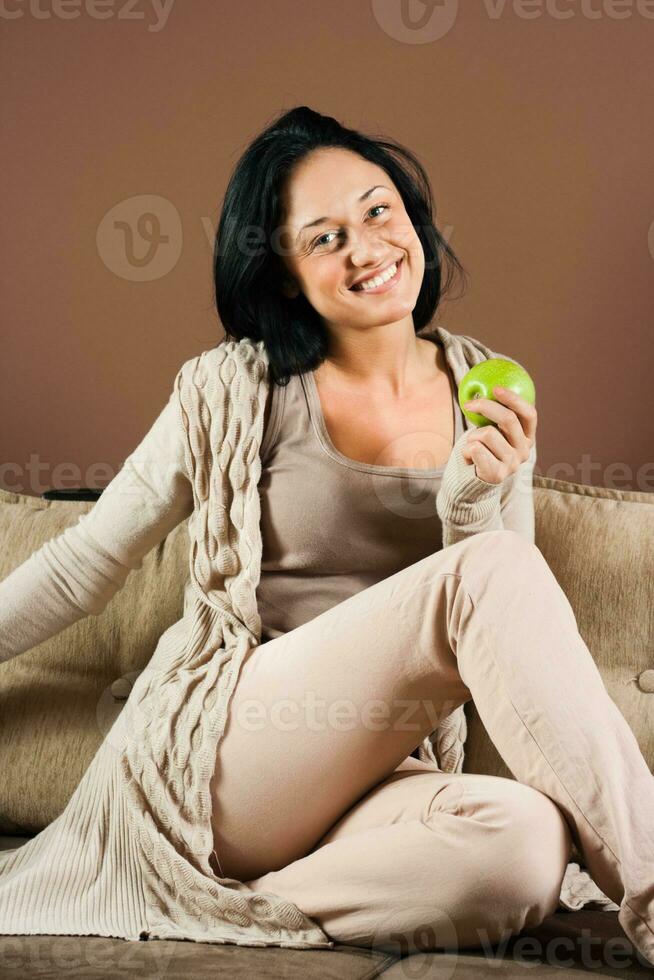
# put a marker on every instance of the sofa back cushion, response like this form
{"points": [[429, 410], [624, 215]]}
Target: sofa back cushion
{"points": [[59, 699], [599, 543]]}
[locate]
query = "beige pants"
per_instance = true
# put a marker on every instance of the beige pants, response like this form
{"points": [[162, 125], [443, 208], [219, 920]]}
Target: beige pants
{"points": [[317, 798]]}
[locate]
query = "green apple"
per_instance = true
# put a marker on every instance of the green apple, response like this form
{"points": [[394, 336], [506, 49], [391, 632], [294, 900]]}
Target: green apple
{"points": [[482, 378]]}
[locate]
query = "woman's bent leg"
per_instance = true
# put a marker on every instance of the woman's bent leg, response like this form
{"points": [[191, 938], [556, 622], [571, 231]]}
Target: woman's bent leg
{"points": [[323, 714], [430, 860], [544, 705]]}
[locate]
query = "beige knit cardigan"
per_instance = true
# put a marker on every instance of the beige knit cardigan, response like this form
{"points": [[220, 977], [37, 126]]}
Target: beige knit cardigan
{"points": [[129, 855]]}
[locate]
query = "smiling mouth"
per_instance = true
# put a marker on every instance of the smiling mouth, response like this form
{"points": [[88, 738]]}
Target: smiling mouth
{"points": [[388, 282]]}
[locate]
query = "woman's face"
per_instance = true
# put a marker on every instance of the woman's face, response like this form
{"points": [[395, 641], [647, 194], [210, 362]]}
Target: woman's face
{"points": [[363, 232]]}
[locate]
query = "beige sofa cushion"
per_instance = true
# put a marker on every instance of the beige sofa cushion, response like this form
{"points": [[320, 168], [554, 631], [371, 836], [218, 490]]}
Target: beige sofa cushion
{"points": [[600, 545], [56, 700]]}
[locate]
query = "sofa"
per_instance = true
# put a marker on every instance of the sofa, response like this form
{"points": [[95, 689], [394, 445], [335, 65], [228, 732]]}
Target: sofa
{"points": [[58, 700]]}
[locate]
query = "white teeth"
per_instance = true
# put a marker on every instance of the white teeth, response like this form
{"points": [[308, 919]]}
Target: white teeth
{"points": [[378, 280]]}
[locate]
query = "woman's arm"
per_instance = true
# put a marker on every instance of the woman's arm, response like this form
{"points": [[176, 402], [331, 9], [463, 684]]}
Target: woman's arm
{"points": [[517, 500], [76, 573], [467, 502], [467, 505]]}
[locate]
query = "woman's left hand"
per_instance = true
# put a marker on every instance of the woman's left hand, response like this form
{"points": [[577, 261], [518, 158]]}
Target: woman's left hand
{"points": [[498, 454]]}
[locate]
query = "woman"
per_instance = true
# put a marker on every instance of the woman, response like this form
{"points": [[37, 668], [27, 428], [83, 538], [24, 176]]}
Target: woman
{"points": [[378, 841], [391, 588]]}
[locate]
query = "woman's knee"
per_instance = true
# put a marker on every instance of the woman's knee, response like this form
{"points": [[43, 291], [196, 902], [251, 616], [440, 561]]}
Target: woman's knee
{"points": [[523, 843], [521, 561], [500, 542], [481, 553], [535, 841]]}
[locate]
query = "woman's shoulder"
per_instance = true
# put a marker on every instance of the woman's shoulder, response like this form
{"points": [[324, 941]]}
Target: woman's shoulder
{"points": [[472, 350], [221, 364]]}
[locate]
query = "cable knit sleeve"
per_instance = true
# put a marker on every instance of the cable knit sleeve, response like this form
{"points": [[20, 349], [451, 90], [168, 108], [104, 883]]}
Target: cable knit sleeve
{"points": [[468, 505], [518, 499], [76, 573]]}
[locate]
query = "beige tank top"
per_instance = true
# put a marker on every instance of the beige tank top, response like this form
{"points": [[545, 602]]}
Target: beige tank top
{"points": [[331, 525]]}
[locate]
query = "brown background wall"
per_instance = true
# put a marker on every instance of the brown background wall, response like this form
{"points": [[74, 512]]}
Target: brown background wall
{"points": [[533, 120]]}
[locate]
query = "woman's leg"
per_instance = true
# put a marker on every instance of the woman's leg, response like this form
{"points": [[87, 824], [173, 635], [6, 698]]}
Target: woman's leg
{"points": [[430, 860], [321, 715]]}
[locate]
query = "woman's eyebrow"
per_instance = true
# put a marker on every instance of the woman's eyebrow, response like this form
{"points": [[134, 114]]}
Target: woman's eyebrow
{"points": [[319, 221]]}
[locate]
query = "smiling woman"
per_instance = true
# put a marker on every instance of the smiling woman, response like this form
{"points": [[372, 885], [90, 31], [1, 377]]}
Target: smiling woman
{"points": [[352, 265], [331, 571]]}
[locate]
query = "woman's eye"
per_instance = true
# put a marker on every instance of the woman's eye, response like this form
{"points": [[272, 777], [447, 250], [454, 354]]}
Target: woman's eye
{"points": [[319, 241], [374, 208]]}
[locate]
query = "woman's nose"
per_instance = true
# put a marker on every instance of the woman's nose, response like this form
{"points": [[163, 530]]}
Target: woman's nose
{"points": [[368, 250]]}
